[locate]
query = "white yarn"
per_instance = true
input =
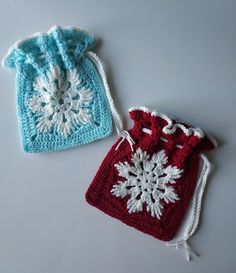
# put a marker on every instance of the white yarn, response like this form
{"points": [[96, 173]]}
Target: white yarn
{"points": [[125, 135], [195, 211], [150, 177], [116, 117], [148, 131], [171, 127]]}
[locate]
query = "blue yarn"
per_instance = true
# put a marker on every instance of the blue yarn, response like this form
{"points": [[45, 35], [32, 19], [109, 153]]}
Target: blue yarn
{"points": [[36, 60]]}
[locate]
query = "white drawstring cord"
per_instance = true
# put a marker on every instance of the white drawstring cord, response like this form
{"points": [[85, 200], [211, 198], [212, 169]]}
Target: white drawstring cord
{"points": [[116, 117], [125, 135], [188, 250], [196, 210]]}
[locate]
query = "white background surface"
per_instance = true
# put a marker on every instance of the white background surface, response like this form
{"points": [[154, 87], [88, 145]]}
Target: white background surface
{"points": [[176, 56]]}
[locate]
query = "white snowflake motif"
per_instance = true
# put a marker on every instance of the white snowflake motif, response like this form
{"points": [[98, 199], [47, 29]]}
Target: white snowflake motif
{"points": [[59, 102], [147, 181]]}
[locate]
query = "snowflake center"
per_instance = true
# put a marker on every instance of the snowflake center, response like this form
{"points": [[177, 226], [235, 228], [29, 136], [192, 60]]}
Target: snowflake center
{"points": [[60, 101], [147, 182]]}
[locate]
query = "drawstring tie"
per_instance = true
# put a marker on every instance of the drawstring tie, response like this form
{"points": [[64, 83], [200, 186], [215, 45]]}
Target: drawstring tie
{"points": [[125, 136], [189, 252], [116, 117], [195, 210]]}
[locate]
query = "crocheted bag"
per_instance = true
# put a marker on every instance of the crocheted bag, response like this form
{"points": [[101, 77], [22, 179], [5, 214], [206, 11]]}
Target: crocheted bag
{"points": [[148, 183], [62, 93]]}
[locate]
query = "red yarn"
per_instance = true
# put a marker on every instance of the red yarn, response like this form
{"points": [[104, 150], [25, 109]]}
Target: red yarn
{"points": [[182, 151]]}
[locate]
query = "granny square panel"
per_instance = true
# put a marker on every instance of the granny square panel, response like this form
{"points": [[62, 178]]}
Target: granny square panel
{"points": [[148, 183], [61, 98]]}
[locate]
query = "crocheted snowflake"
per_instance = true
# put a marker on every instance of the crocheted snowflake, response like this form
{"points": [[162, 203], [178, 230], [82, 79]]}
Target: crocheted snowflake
{"points": [[59, 102], [147, 181]]}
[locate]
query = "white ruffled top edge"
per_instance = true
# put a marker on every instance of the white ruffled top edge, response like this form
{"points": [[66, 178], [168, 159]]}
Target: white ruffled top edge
{"points": [[170, 128]]}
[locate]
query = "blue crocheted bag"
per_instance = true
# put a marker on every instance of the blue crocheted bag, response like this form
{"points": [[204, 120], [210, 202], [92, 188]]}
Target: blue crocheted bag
{"points": [[63, 98]]}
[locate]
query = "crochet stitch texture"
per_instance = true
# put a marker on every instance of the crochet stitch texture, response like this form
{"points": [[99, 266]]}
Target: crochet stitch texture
{"points": [[149, 185], [147, 182], [61, 100]]}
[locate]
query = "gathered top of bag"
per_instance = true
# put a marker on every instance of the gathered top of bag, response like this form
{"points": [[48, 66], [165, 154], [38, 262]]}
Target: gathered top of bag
{"points": [[170, 130], [63, 98], [62, 47]]}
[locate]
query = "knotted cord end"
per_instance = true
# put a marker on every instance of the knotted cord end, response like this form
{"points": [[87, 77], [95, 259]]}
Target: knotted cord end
{"points": [[189, 252]]}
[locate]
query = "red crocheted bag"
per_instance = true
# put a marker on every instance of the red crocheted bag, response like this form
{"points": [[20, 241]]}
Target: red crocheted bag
{"points": [[148, 181]]}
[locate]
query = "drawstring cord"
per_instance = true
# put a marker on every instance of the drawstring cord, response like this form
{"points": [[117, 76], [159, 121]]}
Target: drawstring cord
{"points": [[125, 135], [116, 117], [196, 210], [189, 252]]}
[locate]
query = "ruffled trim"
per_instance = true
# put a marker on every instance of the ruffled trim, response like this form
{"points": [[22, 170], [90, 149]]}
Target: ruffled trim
{"points": [[172, 123], [7, 60]]}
